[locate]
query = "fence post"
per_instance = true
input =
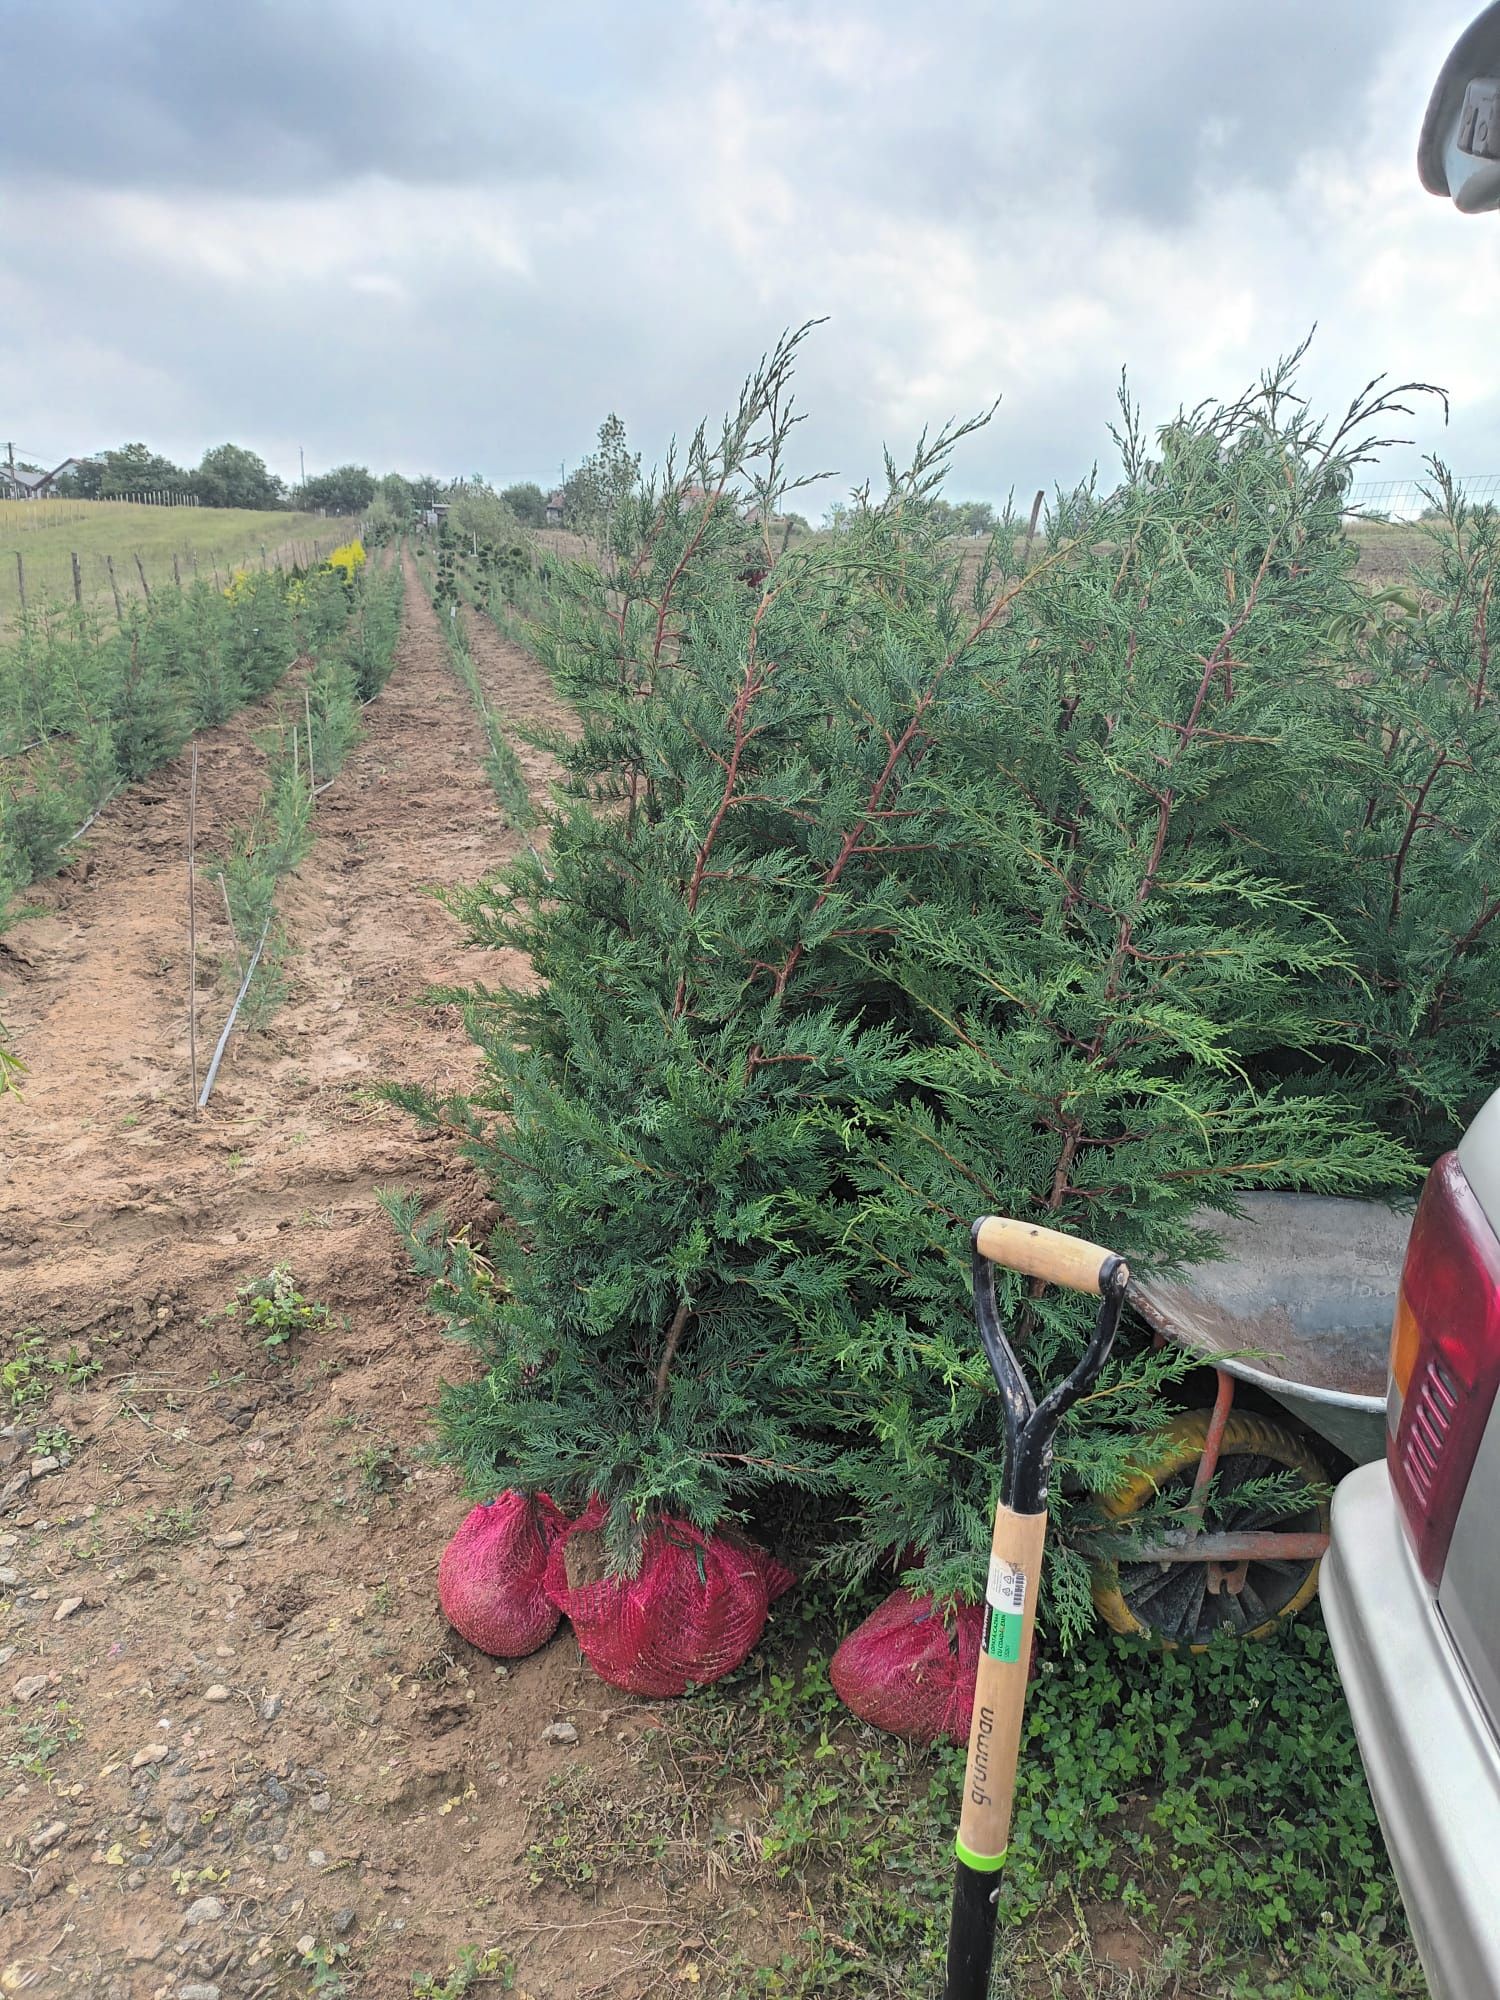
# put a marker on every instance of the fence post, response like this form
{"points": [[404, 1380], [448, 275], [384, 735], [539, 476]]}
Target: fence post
{"points": [[77, 579], [109, 564], [141, 570], [176, 570], [21, 581], [192, 901]]}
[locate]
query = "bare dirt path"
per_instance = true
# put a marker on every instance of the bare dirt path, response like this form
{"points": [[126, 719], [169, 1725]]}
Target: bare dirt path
{"points": [[234, 1729]]}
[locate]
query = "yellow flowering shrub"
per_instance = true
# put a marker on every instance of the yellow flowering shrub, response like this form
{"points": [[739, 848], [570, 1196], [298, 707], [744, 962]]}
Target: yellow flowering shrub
{"points": [[349, 559]]}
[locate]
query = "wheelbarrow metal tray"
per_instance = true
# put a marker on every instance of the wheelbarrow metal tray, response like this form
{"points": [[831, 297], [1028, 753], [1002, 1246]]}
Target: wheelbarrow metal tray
{"points": [[1300, 1303]]}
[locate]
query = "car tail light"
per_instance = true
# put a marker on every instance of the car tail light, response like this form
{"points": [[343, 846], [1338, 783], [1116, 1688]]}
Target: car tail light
{"points": [[1445, 1359]]}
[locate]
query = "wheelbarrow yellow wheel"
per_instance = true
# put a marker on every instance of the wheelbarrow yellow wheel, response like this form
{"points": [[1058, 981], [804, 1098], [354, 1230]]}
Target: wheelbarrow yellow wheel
{"points": [[1187, 1603]]}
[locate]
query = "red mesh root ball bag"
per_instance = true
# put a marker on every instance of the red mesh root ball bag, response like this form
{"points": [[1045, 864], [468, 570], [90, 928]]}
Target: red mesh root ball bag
{"points": [[492, 1578], [905, 1670], [692, 1614]]}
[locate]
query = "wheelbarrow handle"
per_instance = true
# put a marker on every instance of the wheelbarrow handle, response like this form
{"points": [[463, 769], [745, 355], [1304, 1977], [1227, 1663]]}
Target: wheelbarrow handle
{"points": [[1048, 1254]]}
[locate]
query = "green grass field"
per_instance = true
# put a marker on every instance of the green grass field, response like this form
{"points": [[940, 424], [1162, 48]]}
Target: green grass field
{"points": [[46, 533]]}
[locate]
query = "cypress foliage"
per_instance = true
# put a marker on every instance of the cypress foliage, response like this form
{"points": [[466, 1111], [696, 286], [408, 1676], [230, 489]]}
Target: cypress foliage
{"points": [[884, 895], [1403, 832]]}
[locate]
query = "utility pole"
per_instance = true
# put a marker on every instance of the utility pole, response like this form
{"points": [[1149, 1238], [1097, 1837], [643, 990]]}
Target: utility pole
{"points": [[302, 465], [10, 453]]}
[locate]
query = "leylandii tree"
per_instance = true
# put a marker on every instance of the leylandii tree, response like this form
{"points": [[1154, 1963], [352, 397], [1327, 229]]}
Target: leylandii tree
{"points": [[882, 896], [1403, 836]]}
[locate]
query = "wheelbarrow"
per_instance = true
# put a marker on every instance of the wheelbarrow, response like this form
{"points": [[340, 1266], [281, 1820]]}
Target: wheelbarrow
{"points": [[1300, 1306]]}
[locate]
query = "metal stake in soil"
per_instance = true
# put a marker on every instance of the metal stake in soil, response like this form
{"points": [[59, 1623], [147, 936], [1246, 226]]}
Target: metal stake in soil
{"points": [[239, 998], [193, 929]]}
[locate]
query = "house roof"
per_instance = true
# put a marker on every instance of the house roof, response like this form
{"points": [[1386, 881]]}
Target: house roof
{"points": [[30, 481]]}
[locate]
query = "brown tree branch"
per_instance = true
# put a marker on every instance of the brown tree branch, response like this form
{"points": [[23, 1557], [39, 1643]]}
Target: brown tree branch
{"points": [[664, 1366]]}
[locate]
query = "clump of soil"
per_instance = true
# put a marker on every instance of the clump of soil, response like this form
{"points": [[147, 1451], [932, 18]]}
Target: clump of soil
{"points": [[584, 1558]]}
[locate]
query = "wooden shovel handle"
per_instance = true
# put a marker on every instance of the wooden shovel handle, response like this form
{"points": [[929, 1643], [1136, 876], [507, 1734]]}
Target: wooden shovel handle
{"points": [[1043, 1253], [1000, 1691]]}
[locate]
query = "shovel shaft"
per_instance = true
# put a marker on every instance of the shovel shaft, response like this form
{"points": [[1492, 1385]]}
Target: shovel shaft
{"points": [[994, 1746], [1000, 1690], [971, 1934], [1015, 1563]]}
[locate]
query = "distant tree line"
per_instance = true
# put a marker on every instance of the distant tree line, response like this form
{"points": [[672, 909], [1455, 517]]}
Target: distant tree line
{"points": [[590, 498], [227, 476], [230, 475], [954, 517]]}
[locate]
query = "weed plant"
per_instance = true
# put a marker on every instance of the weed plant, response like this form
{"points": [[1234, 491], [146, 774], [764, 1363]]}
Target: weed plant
{"points": [[273, 1307], [1214, 1805]]}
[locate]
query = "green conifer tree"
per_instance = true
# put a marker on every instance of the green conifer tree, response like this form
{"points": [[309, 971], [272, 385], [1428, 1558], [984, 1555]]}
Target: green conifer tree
{"points": [[1402, 834], [883, 895]]}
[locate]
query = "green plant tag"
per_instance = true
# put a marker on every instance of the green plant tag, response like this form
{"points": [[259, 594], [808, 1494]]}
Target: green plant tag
{"points": [[1005, 1601], [1002, 1635]]}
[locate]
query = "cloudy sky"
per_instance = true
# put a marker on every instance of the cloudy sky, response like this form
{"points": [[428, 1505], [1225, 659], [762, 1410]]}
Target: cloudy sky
{"points": [[451, 237]]}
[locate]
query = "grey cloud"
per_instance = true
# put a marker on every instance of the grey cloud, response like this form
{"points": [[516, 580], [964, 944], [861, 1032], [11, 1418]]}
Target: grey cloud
{"points": [[990, 109], [636, 288], [1159, 99], [1020, 109], [266, 97]]}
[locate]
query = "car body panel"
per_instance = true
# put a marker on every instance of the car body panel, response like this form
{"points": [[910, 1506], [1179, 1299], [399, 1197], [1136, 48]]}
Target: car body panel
{"points": [[1469, 1593], [1429, 1751], [1479, 1156]]}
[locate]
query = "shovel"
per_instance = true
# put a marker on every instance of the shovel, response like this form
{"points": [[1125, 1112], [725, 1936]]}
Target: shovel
{"points": [[1015, 1565]]}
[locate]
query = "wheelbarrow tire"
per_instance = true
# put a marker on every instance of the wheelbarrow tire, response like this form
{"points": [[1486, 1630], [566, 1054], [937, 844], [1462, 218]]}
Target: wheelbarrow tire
{"points": [[1178, 1452]]}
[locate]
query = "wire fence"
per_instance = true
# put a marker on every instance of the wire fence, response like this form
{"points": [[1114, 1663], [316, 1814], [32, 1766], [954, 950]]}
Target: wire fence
{"points": [[1409, 499]]}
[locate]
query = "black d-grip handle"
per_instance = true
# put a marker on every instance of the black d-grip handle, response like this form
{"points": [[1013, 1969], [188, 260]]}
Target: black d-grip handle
{"points": [[1061, 1260]]}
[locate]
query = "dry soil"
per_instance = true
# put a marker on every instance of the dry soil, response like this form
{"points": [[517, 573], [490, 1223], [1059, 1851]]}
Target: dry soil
{"points": [[232, 1721]]}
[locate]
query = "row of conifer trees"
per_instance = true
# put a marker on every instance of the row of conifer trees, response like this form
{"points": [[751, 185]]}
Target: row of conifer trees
{"points": [[1150, 860], [88, 705]]}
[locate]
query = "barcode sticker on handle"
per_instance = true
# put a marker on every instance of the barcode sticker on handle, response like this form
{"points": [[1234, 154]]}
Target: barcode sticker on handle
{"points": [[1005, 1601]]}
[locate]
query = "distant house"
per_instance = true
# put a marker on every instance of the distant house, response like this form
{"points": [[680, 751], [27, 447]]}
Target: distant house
{"points": [[555, 509], [18, 482]]}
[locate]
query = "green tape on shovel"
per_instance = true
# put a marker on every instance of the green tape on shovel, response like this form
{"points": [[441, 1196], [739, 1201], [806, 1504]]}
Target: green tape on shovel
{"points": [[1002, 1635]]}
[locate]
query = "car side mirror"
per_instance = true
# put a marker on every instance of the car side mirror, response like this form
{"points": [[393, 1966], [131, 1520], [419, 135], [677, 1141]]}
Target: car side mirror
{"points": [[1458, 154]]}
